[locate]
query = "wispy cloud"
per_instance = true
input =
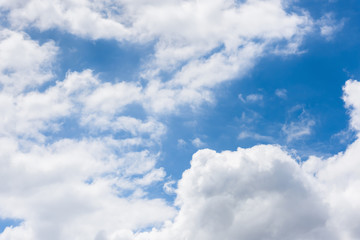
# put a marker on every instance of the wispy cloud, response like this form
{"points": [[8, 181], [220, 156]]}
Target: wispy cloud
{"points": [[281, 93], [255, 136], [168, 187], [181, 143], [251, 98], [329, 26], [198, 143], [300, 127]]}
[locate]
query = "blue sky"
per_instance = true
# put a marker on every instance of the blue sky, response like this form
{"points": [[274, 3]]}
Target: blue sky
{"points": [[107, 105]]}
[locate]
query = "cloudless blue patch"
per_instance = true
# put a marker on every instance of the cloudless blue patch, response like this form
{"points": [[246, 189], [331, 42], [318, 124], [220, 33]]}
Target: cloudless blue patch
{"points": [[176, 157], [317, 8], [8, 222], [89, 181], [4, 22]]}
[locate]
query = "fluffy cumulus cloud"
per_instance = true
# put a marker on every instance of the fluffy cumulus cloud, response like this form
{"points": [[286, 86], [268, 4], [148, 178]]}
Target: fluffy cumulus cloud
{"points": [[55, 185], [69, 189], [72, 185], [23, 62], [257, 193], [264, 193]]}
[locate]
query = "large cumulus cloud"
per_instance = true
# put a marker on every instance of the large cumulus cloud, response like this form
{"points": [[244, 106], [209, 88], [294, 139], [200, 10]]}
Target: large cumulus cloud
{"points": [[256, 193], [265, 193]]}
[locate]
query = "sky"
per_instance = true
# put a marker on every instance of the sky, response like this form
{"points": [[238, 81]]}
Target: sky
{"points": [[179, 119]]}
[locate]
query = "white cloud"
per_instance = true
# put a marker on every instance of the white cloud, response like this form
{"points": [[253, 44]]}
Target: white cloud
{"points": [[82, 95], [78, 17], [198, 143], [254, 98], [156, 175], [301, 127], [281, 93], [28, 114], [352, 101], [344, 136], [256, 193], [168, 187], [198, 43], [110, 98], [329, 26], [24, 63], [85, 187], [172, 20], [49, 189], [339, 176], [264, 193], [251, 98], [256, 136]]}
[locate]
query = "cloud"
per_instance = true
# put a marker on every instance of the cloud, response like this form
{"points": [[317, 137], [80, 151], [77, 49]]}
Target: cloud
{"points": [[29, 113], [256, 136], [344, 136], [352, 101], [168, 187], [329, 26], [196, 142], [181, 143], [56, 183], [50, 189], [339, 175], [301, 127], [251, 98], [281, 93], [264, 193], [81, 95], [24, 63], [256, 193], [254, 97], [196, 43]]}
